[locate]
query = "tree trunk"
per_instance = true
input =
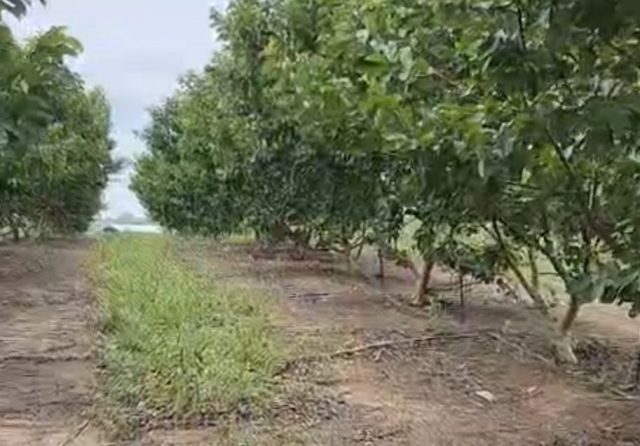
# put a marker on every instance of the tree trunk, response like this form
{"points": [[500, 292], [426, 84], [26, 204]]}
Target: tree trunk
{"points": [[347, 255], [301, 239], [570, 316], [539, 302], [15, 231], [360, 249], [535, 277], [362, 242], [636, 384], [564, 349], [412, 267], [463, 308], [380, 264], [422, 294]]}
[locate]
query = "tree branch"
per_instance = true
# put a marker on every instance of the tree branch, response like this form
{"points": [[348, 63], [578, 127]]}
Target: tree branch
{"points": [[513, 265], [523, 39], [565, 162], [592, 221]]}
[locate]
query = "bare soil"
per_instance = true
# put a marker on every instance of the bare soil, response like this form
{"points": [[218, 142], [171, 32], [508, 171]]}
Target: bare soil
{"points": [[46, 365], [486, 375], [365, 369]]}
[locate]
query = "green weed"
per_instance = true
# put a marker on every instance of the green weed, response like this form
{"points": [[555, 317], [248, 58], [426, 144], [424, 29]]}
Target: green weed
{"points": [[174, 345]]}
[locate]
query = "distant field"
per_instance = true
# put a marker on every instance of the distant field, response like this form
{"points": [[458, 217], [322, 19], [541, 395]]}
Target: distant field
{"points": [[147, 228]]}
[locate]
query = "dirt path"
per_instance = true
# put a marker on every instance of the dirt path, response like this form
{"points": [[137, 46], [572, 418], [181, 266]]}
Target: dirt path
{"points": [[46, 367], [498, 386]]}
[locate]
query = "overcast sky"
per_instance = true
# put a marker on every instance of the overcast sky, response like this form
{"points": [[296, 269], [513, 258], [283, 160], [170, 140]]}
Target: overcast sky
{"points": [[135, 50]]}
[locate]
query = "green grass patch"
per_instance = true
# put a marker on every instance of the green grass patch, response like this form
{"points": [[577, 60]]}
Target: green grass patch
{"points": [[176, 345]]}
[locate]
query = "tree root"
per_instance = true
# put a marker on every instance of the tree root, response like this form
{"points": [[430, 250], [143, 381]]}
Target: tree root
{"points": [[563, 350]]}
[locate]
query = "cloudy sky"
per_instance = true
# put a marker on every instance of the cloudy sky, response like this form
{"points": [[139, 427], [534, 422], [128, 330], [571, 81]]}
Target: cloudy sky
{"points": [[135, 50]]}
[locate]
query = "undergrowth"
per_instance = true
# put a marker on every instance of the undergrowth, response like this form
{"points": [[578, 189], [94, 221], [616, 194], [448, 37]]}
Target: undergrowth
{"points": [[174, 345]]}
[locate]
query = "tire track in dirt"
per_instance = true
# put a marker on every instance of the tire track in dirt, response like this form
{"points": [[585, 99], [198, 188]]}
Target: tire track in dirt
{"points": [[46, 346]]}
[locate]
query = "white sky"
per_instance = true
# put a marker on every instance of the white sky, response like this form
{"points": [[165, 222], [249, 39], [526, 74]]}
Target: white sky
{"points": [[135, 50]]}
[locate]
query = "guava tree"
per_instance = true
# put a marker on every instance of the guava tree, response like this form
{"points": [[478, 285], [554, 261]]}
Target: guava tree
{"points": [[255, 158], [64, 177], [506, 128], [377, 76], [535, 103], [558, 108], [55, 150], [519, 118]]}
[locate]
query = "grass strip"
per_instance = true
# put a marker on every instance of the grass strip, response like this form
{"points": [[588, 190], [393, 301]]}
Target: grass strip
{"points": [[175, 345]]}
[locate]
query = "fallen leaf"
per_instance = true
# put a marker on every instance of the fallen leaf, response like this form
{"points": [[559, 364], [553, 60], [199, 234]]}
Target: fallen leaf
{"points": [[486, 395]]}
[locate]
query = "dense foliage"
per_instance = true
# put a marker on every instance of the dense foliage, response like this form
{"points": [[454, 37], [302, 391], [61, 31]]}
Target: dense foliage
{"points": [[54, 136], [514, 122]]}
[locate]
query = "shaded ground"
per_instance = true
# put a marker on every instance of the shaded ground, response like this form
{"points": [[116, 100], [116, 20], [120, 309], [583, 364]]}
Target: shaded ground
{"points": [[46, 368], [486, 376]]}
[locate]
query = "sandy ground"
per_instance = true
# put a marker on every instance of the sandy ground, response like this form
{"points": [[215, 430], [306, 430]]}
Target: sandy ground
{"points": [[46, 366]]}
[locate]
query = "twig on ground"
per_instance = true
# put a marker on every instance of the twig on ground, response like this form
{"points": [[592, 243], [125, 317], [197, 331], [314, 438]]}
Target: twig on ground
{"points": [[455, 287], [376, 346], [57, 348], [521, 349], [46, 358], [366, 437], [412, 341], [619, 395], [443, 336], [225, 276], [406, 305], [75, 434]]}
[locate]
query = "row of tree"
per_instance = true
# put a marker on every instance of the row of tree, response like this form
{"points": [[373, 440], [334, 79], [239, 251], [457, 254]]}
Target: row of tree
{"points": [[55, 149], [331, 122]]}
